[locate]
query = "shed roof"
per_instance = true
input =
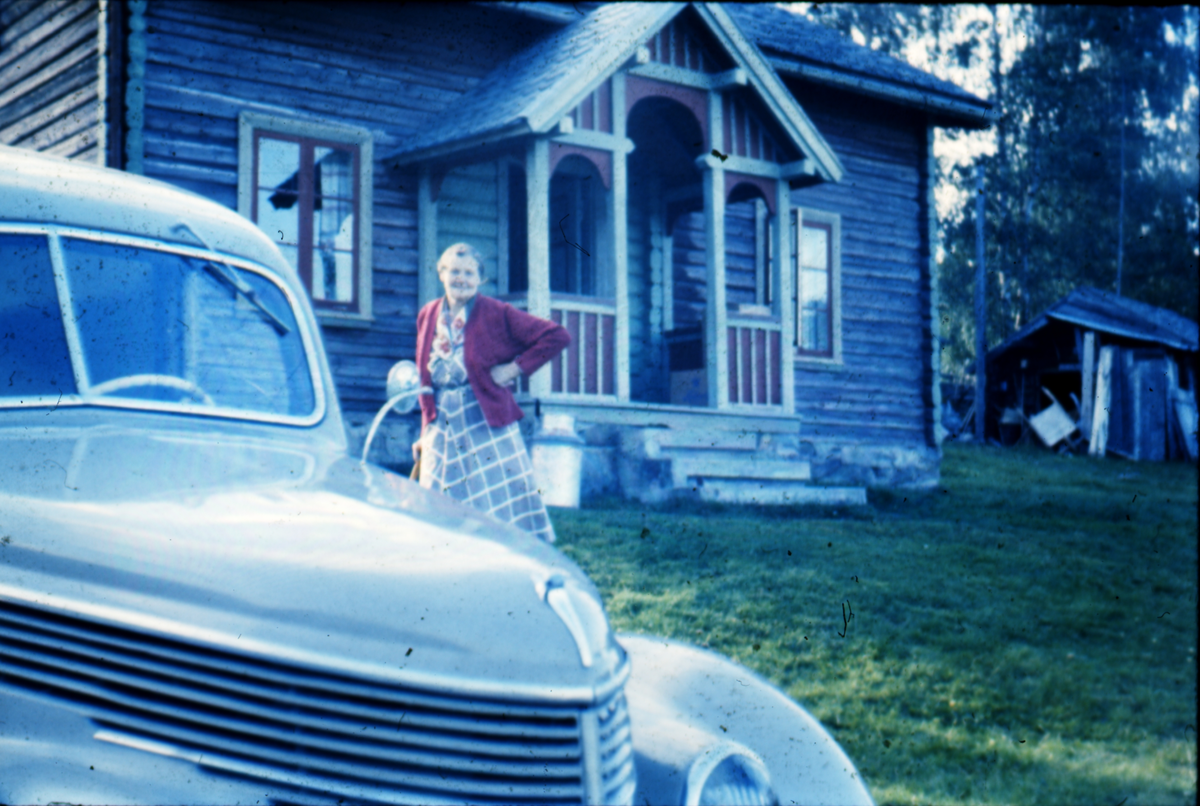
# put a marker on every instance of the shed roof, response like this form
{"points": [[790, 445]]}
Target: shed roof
{"points": [[1105, 312], [798, 46]]}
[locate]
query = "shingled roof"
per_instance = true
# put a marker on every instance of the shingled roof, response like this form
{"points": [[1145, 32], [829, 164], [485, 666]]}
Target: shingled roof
{"points": [[512, 99], [798, 46], [529, 93]]}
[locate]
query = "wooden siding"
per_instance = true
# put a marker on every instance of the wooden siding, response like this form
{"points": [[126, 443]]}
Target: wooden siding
{"points": [[879, 395], [467, 210], [391, 69], [689, 276], [51, 78]]}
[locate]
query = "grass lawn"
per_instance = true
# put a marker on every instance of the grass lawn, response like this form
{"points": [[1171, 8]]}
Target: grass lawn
{"points": [[1025, 634]]}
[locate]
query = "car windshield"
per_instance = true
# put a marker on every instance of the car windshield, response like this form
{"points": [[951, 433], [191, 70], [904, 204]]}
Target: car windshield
{"points": [[146, 327]]}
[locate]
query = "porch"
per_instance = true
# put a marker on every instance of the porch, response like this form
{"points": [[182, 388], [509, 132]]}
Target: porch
{"points": [[644, 205]]}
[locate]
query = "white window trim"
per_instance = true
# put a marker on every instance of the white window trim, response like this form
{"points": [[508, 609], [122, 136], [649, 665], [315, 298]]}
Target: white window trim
{"points": [[834, 221], [248, 122]]}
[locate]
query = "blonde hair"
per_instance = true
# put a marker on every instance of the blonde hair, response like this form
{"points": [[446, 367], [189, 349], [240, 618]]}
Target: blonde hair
{"points": [[462, 250]]}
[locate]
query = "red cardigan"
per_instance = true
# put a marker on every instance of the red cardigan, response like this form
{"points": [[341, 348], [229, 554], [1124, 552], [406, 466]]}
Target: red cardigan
{"points": [[496, 333]]}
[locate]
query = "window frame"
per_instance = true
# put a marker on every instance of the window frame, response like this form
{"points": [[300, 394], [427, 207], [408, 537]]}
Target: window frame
{"points": [[252, 125], [801, 216]]}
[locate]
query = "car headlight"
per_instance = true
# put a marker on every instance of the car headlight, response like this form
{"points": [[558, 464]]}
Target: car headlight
{"points": [[728, 774]]}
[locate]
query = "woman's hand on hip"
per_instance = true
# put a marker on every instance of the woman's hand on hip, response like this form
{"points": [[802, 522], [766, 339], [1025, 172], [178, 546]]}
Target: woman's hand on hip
{"points": [[504, 374]]}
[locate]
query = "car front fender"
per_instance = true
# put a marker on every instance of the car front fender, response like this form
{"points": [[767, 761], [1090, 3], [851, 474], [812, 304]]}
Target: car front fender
{"points": [[684, 700]]}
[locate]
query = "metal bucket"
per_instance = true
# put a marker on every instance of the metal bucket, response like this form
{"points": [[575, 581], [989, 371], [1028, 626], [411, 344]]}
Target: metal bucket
{"points": [[557, 457]]}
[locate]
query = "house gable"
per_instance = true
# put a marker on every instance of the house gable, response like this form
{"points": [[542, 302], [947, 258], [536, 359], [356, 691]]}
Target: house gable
{"points": [[694, 46]]}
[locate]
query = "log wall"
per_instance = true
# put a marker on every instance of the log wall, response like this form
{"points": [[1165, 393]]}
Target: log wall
{"points": [[878, 395], [52, 78], [391, 69]]}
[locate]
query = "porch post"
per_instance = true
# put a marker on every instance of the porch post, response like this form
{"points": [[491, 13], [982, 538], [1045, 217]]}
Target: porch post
{"points": [[785, 303], [537, 222], [620, 252], [716, 338], [427, 280]]}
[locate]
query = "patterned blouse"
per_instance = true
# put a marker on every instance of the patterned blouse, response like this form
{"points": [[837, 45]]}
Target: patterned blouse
{"points": [[447, 367]]}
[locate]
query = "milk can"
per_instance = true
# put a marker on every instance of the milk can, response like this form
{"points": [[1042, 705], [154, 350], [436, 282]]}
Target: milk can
{"points": [[558, 460]]}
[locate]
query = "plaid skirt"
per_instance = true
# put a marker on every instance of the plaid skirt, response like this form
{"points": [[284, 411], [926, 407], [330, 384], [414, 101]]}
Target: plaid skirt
{"points": [[487, 468]]}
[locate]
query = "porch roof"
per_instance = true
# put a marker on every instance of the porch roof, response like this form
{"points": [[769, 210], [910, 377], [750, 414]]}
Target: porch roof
{"points": [[530, 93]]}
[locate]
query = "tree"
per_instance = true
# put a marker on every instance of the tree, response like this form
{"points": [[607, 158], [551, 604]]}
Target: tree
{"points": [[1091, 164]]}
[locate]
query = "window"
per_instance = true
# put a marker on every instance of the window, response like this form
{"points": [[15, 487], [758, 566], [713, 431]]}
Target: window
{"points": [[816, 266], [308, 186]]}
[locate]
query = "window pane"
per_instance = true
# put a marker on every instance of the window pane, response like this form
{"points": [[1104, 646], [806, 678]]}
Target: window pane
{"points": [[816, 330], [814, 289], [33, 349], [162, 327], [814, 248], [333, 250], [333, 275], [333, 168], [278, 211], [278, 163]]}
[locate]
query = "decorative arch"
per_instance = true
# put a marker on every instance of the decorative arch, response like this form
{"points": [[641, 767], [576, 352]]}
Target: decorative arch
{"points": [[740, 187], [600, 160], [696, 101]]}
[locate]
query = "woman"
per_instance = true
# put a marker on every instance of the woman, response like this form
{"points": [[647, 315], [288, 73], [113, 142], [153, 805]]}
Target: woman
{"points": [[470, 348]]}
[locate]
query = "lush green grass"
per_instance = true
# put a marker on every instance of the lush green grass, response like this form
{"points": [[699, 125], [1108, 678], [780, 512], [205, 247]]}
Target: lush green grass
{"points": [[1025, 634]]}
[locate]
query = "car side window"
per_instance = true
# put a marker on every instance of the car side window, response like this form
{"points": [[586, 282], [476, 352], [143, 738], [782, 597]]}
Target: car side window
{"points": [[34, 359]]}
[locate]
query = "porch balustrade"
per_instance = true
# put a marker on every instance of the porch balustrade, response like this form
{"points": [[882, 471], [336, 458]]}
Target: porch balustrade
{"points": [[587, 368], [755, 361]]}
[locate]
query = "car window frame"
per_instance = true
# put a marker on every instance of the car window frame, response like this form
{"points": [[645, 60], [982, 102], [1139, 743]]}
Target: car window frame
{"points": [[54, 234]]}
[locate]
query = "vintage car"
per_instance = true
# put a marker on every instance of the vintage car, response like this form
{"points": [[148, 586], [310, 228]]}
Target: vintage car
{"points": [[205, 599]]}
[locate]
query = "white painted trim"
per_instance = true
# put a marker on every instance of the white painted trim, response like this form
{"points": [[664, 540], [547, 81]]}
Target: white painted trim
{"points": [[762, 276], [784, 303], [593, 139], [763, 78], [715, 327], [537, 222], [356, 135], [668, 275], [798, 169], [684, 77], [834, 220], [618, 216], [771, 325], [427, 227]]}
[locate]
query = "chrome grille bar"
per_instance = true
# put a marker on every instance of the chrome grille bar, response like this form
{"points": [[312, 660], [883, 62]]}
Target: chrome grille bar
{"points": [[314, 732]]}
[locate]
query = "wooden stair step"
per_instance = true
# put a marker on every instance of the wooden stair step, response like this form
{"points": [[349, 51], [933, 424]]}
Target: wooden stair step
{"points": [[755, 491], [707, 466]]}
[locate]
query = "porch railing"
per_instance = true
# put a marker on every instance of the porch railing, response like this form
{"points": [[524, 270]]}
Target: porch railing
{"points": [[755, 361], [588, 366]]}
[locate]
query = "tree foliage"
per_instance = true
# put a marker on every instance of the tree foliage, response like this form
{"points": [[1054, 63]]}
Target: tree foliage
{"points": [[1078, 92]]}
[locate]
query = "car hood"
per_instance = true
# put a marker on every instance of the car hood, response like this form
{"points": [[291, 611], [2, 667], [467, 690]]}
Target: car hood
{"points": [[292, 553]]}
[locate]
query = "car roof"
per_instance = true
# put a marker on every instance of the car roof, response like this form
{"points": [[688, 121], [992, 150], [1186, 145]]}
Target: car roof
{"points": [[40, 189]]}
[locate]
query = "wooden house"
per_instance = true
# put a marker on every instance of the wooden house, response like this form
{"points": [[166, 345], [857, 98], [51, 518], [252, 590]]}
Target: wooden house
{"points": [[728, 206], [1123, 370]]}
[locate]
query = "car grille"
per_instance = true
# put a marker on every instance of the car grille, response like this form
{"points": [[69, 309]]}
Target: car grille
{"points": [[316, 734]]}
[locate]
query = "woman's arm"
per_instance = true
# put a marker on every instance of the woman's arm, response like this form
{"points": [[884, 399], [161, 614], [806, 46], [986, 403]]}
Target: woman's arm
{"points": [[540, 340]]}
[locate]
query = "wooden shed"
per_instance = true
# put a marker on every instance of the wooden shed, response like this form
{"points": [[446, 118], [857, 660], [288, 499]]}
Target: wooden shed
{"points": [[728, 206], [1124, 371]]}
